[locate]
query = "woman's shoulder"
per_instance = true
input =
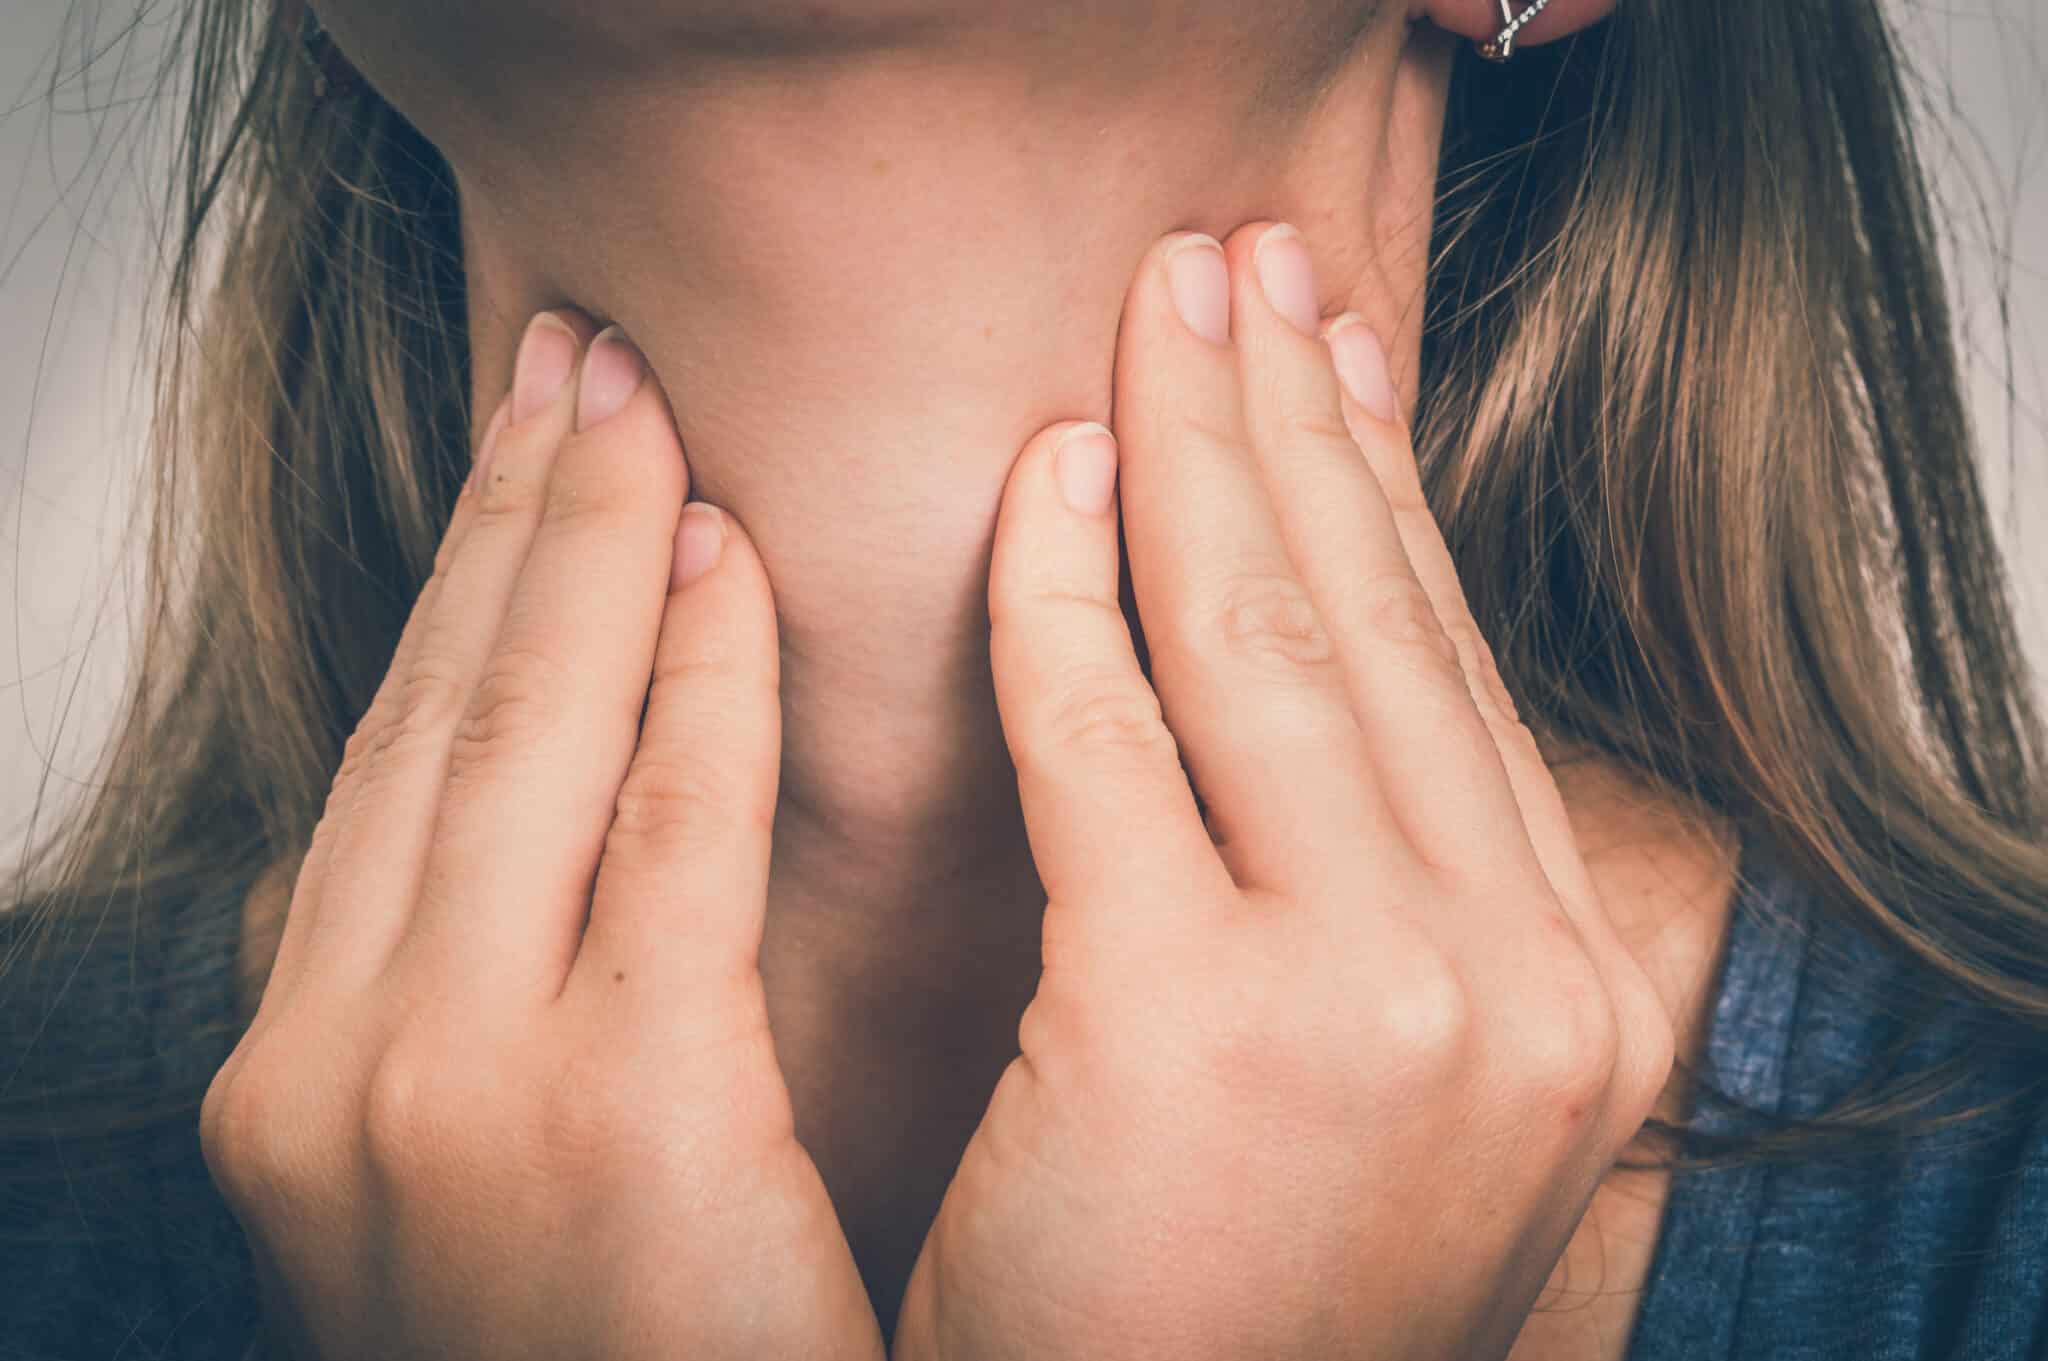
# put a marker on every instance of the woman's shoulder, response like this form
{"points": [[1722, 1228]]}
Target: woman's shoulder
{"points": [[1932, 1243], [113, 1239]]}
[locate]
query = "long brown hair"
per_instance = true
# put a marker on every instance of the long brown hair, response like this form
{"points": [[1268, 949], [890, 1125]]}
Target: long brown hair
{"points": [[1691, 420]]}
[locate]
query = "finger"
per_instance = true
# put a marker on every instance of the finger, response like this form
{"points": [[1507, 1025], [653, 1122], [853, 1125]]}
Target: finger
{"points": [[1455, 769], [1106, 803], [544, 740], [289, 956], [1241, 661], [1435, 760], [1644, 1011], [683, 882], [373, 838], [1372, 418]]}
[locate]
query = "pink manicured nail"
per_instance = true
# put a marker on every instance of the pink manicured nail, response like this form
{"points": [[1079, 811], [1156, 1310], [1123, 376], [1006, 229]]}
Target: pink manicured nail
{"points": [[547, 356], [1199, 281], [1085, 464], [1361, 364], [699, 539], [1288, 277], [612, 372]]}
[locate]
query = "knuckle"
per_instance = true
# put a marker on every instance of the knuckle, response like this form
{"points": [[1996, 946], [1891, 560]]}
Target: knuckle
{"points": [[1021, 607], [1202, 433], [707, 673], [1565, 1053], [246, 1124], [410, 1127], [215, 1098], [510, 707], [1401, 483], [1323, 430], [667, 802], [416, 708], [575, 498], [1516, 741], [1396, 616], [1268, 621], [220, 1119], [1489, 690], [1497, 686], [1424, 1021], [355, 751], [319, 847], [1647, 1052], [1098, 713], [1466, 643], [428, 702]]}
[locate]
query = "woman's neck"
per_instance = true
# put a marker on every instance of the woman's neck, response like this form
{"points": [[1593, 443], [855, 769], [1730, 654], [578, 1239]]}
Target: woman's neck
{"points": [[866, 277], [867, 261]]}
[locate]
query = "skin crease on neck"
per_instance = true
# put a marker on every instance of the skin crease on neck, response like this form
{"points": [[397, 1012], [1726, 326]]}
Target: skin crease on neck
{"points": [[869, 249]]}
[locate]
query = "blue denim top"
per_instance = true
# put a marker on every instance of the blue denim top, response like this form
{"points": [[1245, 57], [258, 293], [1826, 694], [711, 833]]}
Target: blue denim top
{"points": [[1935, 1246]]}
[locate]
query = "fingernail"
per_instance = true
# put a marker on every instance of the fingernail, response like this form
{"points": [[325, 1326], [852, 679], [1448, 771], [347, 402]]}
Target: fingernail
{"points": [[547, 356], [480, 466], [1199, 281], [1085, 464], [1361, 364], [699, 539], [1288, 277], [612, 373]]}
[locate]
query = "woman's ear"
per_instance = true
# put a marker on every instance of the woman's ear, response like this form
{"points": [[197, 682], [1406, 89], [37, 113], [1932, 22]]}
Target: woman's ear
{"points": [[1480, 20]]}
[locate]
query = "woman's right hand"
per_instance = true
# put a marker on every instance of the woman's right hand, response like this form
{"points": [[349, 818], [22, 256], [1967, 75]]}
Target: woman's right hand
{"points": [[510, 1091]]}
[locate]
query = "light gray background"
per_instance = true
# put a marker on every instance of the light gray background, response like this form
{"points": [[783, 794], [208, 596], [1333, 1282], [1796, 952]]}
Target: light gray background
{"points": [[72, 175]]}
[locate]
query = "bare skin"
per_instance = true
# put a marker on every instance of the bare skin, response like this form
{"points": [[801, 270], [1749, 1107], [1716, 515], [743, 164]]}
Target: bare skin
{"points": [[860, 313]]}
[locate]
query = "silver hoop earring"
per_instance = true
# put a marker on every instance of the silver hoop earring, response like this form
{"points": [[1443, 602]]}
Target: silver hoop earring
{"points": [[1501, 45]]}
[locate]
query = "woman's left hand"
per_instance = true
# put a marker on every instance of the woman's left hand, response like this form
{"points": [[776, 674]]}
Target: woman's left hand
{"points": [[1336, 1075]]}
